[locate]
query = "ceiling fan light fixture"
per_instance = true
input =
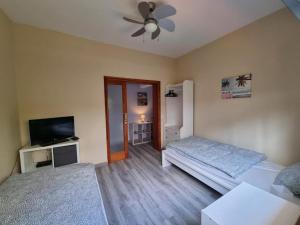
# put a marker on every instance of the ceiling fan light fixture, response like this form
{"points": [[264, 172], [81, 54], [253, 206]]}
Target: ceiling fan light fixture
{"points": [[155, 18], [151, 27]]}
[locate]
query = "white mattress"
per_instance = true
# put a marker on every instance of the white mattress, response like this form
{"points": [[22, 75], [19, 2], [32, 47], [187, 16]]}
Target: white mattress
{"points": [[261, 175]]}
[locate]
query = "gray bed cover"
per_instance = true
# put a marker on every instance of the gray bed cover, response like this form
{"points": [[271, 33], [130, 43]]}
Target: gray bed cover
{"points": [[66, 195], [229, 159]]}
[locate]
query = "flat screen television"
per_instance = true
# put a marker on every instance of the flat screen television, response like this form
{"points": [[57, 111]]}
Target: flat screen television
{"points": [[51, 130]]}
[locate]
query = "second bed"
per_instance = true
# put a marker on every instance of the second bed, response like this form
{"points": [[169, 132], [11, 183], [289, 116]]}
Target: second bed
{"points": [[261, 174]]}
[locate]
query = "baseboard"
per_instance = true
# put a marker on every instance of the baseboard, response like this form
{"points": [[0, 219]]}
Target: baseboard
{"points": [[101, 164]]}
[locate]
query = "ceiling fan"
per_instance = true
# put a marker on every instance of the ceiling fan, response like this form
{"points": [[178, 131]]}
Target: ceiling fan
{"points": [[154, 19]]}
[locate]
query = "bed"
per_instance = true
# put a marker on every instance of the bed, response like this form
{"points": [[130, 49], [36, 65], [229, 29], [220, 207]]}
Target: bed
{"points": [[261, 174], [66, 195]]}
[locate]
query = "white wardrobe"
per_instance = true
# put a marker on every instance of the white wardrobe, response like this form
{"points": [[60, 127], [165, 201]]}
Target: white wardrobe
{"points": [[179, 111]]}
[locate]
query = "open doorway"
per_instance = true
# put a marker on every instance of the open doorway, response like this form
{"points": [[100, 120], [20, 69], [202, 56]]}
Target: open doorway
{"points": [[140, 113], [132, 115]]}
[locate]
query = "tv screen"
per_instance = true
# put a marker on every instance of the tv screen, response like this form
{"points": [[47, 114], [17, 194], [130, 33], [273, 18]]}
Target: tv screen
{"points": [[43, 131]]}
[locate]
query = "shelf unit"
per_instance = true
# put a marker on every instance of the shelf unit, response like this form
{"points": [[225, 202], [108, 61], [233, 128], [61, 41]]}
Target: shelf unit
{"points": [[61, 154], [140, 133], [179, 112]]}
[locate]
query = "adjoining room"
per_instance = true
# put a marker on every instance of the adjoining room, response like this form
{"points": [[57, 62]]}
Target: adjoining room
{"points": [[140, 113], [132, 116]]}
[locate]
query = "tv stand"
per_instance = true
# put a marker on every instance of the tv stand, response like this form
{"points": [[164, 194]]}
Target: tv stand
{"points": [[54, 142], [61, 154]]}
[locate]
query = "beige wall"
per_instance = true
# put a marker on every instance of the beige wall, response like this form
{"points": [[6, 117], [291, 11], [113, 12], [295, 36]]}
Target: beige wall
{"points": [[59, 75], [9, 128], [269, 120]]}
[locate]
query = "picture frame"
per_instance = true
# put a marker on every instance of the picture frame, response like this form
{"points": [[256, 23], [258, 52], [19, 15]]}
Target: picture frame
{"points": [[142, 99], [237, 86]]}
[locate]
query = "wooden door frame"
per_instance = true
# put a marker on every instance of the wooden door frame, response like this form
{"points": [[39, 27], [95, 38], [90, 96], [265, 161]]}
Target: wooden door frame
{"points": [[156, 109]]}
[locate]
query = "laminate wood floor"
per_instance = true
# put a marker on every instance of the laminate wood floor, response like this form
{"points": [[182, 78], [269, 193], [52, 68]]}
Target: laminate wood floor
{"points": [[139, 191]]}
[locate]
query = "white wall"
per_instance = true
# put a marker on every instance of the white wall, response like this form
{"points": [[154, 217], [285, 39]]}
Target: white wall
{"points": [[134, 111]]}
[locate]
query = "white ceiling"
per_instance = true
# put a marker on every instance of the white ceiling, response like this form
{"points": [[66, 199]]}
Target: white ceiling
{"points": [[198, 22]]}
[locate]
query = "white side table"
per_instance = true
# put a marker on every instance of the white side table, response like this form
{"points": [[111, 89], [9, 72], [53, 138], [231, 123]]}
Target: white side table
{"points": [[249, 205]]}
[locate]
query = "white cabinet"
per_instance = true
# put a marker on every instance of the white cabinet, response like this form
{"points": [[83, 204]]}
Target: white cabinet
{"points": [[249, 205], [179, 111], [140, 133], [172, 133], [59, 154]]}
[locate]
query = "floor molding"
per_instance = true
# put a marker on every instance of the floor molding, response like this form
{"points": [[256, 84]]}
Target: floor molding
{"points": [[97, 165]]}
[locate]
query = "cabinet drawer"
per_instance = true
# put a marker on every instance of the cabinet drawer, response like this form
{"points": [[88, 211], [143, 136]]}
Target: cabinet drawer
{"points": [[65, 155], [173, 134]]}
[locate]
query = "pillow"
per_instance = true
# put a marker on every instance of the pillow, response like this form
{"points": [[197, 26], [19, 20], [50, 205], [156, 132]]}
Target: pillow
{"points": [[283, 192], [290, 178]]}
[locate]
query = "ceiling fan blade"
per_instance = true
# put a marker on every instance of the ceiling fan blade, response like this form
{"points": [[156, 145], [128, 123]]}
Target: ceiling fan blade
{"points": [[132, 21], [144, 9], [156, 33], [164, 11], [167, 24], [139, 32]]}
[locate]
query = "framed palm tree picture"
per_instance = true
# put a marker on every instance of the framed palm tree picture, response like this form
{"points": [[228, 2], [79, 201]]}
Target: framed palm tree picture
{"points": [[237, 86]]}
